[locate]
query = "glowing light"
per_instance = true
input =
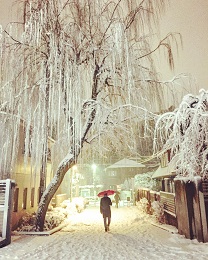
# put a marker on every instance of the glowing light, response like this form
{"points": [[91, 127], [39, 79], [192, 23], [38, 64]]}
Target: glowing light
{"points": [[94, 166]]}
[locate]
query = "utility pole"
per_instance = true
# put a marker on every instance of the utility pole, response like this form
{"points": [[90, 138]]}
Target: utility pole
{"points": [[73, 171]]}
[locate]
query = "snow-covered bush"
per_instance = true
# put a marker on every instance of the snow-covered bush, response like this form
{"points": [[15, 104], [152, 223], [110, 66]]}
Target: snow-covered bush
{"points": [[158, 212], [27, 223], [143, 205], [78, 204], [145, 180], [54, 218], [68, 206]]}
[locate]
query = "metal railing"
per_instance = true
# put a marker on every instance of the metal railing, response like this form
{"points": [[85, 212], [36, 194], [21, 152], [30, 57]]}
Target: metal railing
{"points": [[5, 211]]}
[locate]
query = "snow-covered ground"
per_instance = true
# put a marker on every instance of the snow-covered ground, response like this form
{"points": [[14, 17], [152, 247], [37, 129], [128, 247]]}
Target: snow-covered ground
{"points": [[132, 236]]}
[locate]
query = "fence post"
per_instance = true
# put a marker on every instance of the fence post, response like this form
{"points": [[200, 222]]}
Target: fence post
{"points": [[182, 210], [203, 200], [190, 209]]}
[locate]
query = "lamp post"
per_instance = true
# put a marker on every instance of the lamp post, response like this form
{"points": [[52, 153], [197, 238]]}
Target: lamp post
{"points": [[133, 191], [73, 170]]}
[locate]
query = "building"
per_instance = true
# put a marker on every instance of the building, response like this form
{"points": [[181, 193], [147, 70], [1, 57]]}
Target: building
{"points": [[117, 173], [166, 172], [26, 194]]}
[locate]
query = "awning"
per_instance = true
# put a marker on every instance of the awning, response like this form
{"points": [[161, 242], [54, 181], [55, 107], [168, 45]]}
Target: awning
{"points": [[168, 171], [163, 172]]}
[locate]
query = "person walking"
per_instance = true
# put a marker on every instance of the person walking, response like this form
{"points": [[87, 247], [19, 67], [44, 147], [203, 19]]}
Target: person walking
{"points": [[117, 198], [105, 210]]}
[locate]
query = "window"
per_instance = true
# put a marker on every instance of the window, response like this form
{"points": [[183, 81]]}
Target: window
{"points": [[24, 203], [169, 155], [16, 197], [39, 197], [164, 160], [32, 197], [49, 155], [112, 173]]}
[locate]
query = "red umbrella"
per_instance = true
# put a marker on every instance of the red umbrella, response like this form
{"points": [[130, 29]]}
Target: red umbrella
{"points": [[102, 193]]}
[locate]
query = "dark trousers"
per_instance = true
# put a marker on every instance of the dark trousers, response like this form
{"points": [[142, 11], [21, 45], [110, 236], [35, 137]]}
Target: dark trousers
{"points": [[106, 223]]}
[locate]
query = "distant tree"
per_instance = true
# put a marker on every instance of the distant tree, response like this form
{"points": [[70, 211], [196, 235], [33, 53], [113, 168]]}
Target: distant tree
{"points": [[184, 132], [81, 72]]}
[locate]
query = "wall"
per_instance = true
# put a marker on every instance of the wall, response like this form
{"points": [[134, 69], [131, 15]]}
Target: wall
{"points": [[26, 193]]}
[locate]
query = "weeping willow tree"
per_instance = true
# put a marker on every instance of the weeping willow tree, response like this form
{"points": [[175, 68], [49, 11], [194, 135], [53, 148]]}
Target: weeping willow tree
{"points": [[184, 132], [81, 72]]}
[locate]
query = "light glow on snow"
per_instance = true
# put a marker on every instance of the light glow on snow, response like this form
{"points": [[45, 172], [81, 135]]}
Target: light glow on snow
{"points": [[132, 236]]}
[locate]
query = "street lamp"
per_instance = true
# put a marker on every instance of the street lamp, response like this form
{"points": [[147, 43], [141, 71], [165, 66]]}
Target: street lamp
{"points": [[94, 166]]}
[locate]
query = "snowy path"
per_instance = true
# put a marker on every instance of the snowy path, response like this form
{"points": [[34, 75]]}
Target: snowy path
{"points": [[131, 237]]}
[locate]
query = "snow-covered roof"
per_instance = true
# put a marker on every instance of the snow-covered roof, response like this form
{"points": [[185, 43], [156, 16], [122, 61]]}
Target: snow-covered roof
{"points": [[162, 172], [168, 171], [126, 163]]}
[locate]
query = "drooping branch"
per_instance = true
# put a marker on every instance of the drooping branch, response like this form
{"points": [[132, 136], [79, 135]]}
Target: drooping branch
{"points": [[167, 45], [79, 71]]}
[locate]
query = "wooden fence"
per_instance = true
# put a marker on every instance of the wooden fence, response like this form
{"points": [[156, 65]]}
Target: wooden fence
{"points": [[167, 199], [187, 208]]}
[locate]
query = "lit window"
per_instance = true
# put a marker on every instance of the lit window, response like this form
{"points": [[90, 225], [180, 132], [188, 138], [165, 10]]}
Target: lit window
{"points": [[112, 174]]}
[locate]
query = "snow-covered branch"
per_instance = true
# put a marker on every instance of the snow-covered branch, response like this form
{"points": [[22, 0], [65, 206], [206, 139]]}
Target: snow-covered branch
{"points": [[184, 131]]}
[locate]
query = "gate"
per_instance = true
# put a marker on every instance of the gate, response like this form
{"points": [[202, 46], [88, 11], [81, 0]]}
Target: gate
{"points": [[5, 211]]}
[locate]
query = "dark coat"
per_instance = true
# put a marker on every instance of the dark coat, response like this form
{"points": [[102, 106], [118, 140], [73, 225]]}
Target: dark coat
{"points": [[117, 198], [105, 209]]}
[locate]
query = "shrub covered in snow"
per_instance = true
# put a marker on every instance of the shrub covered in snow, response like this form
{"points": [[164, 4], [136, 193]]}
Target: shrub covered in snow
{"points": [[54, 216], [53, 219], [27, 223], [145, 180], [158, 212], [143, 205], [156, 209], [78, 204]]}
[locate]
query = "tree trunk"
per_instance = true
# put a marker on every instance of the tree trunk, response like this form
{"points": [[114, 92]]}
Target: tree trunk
{"points": [[42, 185], [48, 194]]}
